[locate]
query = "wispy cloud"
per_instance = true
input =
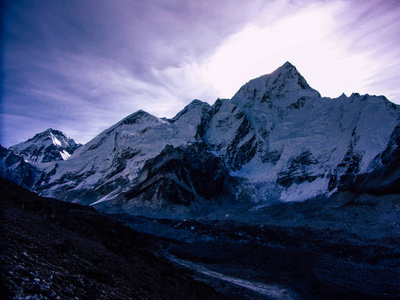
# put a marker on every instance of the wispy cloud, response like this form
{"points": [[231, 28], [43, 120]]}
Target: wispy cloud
{"points": [[80, 66]]}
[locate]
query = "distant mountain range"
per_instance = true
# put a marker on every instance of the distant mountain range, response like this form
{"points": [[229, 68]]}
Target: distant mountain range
{"points": [[276, 140]]}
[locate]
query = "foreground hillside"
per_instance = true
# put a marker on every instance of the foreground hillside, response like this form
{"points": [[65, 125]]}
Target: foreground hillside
{"points": [[56, 250]]}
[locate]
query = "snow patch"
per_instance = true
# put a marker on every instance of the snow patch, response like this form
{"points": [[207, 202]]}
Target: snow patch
{"points": [[55, 140], [65, 155], [305, 190], [332, 192]]}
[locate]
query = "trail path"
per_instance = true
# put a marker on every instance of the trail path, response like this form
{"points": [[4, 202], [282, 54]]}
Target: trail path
{"points": [[268, 290]]}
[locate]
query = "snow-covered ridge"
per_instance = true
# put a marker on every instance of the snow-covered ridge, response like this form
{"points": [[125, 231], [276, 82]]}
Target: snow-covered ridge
{"points": [[117, 155], [277, 137]]}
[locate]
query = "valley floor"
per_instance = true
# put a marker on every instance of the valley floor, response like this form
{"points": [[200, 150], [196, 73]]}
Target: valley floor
{"points": [[292, 260], [58, 250]]}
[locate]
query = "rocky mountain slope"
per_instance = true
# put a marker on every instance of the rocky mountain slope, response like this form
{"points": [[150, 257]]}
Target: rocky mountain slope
{"points": [[276, 140], [15, 168]]}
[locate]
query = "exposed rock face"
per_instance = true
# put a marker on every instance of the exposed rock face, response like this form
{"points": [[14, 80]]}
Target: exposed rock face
{"points": [[296, 173], [47, 146], [183, 175], [385, 178], [230, 133], [15, 168]]}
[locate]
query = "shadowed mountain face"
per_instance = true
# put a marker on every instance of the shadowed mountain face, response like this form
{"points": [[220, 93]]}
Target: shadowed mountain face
{"points": [[385, 179], [52, 249], [15, 168], [183, 176]]}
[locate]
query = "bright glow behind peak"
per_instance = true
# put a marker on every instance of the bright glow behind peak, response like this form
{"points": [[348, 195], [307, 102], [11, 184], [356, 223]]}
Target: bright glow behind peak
{"points": [[305, 38]]}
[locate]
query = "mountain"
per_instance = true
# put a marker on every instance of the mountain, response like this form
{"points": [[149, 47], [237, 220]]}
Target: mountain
{"points": [[276, 140], [302, 142], [111, 163], [47, 146]]}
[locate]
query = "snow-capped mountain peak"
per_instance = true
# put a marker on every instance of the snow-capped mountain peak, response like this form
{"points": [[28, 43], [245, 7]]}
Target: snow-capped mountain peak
{"points": [[196, 104], [280, 88], [47, 146], [277, 135], [138, 117], [289, 71]]}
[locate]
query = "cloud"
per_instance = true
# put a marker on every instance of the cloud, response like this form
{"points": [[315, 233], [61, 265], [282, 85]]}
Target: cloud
{"points": [[86, 60], [80, 66], [339, 46], [305, 35], [370, 28]]}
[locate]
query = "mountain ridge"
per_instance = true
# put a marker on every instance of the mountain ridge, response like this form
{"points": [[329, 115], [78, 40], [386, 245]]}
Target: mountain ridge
{"points": [[278, 139]]}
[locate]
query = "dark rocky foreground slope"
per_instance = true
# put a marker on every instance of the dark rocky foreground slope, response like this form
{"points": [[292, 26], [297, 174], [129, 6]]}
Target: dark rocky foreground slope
{"points": [[57, 250], [344, 247]]}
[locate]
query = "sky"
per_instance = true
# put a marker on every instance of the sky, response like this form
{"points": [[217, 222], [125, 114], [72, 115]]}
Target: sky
{"points": [[81, 66]]}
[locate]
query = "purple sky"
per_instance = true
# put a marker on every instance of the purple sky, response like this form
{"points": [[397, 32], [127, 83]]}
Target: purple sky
{"points": [[81, 66]]}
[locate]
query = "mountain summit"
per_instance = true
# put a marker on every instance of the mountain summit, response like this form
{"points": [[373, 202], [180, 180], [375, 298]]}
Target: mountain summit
{"points": [[47, 146], [281, 87], [277, 139]]}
